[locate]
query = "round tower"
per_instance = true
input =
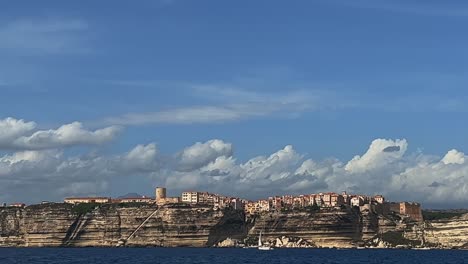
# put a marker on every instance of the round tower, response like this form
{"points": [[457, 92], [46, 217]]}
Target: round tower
{"points": [[160, 193]]}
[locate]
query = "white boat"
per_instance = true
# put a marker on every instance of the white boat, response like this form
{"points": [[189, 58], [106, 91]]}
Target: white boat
{"points": [[260, 244]]}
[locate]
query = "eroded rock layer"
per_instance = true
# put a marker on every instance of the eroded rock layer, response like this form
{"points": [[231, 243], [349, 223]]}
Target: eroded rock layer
{"points": [[449, 233], [57, 225], [200, 226], [334, 228]]}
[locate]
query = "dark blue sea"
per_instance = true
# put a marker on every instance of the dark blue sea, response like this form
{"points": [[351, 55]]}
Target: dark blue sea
{"points": [[213, 255]]}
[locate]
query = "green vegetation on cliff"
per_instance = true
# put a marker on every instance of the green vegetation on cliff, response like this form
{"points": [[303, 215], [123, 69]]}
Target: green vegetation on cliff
{"points": [[84, 208], [440, 215]]}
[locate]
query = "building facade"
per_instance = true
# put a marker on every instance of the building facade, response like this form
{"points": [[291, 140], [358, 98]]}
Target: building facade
{"points": [[190, 197], [412, 210], [134, 200], [78, 200]]}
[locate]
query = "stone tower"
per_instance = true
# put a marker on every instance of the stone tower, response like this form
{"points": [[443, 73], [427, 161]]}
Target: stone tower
{"points": [[160, 194]]}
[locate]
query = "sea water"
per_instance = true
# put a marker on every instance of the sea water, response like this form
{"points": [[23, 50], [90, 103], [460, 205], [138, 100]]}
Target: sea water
{"points": [[228, 255]]}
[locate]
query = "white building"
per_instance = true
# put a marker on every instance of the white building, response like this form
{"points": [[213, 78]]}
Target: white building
{"points": [[78, 200], [357, 201], [191, 197], [134, 200]]}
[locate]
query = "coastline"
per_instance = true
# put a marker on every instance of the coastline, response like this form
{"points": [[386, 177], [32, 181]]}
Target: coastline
{"points": [[58, 226]]}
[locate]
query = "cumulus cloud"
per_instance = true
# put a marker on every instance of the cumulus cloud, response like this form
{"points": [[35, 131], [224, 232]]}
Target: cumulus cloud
{"points": [[275, 167], [432, 182], [66, 135], [142, 158], [11, 129], [200, 154], [49, 174], [384, 168], [18, 134], [26, 156], [382, 152], [262, 175], [454, 157]]}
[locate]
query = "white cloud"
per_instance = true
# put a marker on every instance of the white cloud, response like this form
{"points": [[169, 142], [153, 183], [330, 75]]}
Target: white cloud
{"points": [[275, 167], [66, 135], [26, 156], [50, 175], [141, 158], [11, 128], [382, 152], [18, 134], [384, 169], [454, 157], [200, 154], [210, 166], [259, 175]]}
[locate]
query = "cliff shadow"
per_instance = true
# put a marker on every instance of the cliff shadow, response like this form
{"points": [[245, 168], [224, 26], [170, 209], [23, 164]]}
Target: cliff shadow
{"points": [[75, 230], [231, 225]]}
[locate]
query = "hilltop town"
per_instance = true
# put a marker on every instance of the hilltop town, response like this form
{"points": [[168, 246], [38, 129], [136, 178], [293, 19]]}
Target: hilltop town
{"points": [[330, 200], [199, 219]]}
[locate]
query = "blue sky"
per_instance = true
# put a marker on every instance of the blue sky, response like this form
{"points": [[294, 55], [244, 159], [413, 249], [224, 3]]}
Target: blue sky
{"points": [[326, 76]]}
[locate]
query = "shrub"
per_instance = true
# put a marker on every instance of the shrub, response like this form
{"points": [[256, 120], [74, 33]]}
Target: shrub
{"points": [[134, 204], [438, 215], [84, 208]]}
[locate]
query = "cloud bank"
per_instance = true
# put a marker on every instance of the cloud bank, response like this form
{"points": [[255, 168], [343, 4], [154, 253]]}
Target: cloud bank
{"points": [[35, 167]]}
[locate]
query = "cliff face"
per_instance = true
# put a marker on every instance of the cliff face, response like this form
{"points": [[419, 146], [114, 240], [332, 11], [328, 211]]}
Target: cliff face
{"points": [[57, 225], [199, 226], [109, 225], [447, 233], [342, 228]]}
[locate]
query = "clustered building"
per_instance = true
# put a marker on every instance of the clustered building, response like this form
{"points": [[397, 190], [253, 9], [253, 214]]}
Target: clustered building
{"points": [[215, 200], [160, 199], [104, 200], [192, 197], [376, 203], [322, 200]]}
